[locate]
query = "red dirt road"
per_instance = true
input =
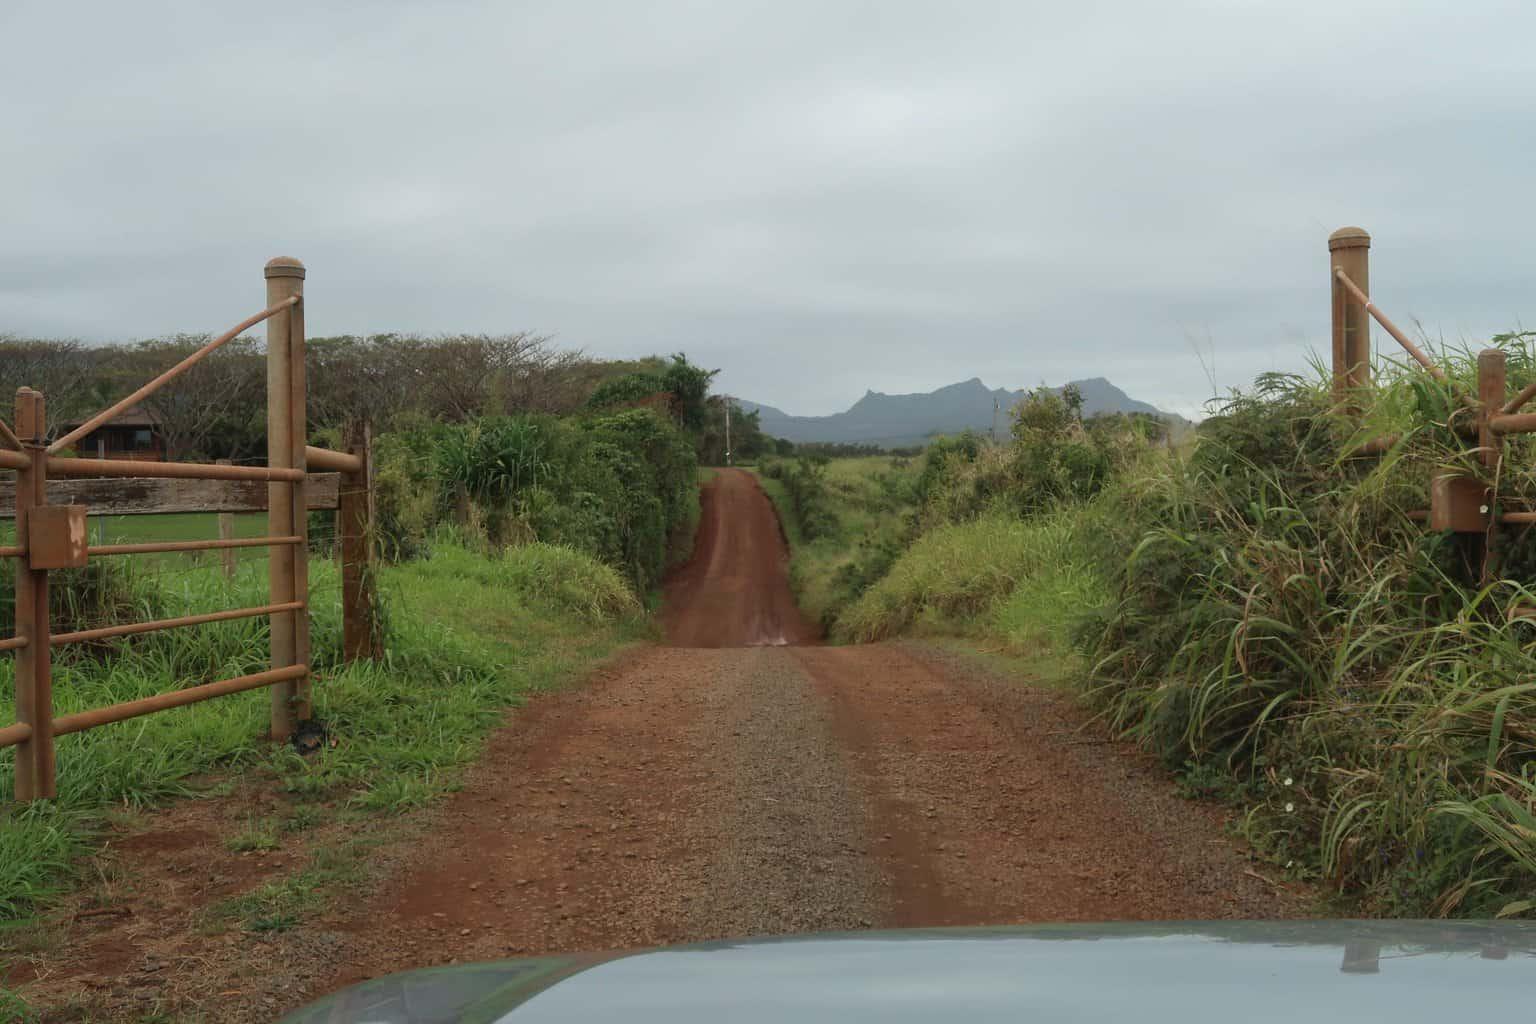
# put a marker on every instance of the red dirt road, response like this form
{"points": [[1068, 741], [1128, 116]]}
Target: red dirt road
{"points": [[704, 791], [734, 591], [732, 785]]}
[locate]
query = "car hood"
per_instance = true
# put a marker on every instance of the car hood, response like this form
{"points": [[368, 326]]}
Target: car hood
{"points": [[1309, 972]]}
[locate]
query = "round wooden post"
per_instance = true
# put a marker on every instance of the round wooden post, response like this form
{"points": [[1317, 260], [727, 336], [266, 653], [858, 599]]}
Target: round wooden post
{"points": [[34, 662], [285, 278], [1349, 250], [1492, 390], [354, 520]]}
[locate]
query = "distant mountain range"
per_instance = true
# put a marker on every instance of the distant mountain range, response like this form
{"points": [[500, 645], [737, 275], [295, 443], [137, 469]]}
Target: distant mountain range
{"points": [[898, 420]]}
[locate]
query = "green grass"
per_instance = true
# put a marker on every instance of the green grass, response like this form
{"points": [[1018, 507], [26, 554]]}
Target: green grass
{"points": [[257, 835], [1016, 587], [186, 526], [871, 498], [14, 1009], [469, 637]]}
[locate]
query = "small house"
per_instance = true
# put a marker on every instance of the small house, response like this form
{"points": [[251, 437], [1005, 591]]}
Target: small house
{"points": [[135, 433]]}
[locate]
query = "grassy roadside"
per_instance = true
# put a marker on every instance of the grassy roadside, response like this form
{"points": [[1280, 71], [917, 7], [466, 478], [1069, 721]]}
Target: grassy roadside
{"points": [[1014, 589], [871, 500], [1006, 589], [471, 635]]}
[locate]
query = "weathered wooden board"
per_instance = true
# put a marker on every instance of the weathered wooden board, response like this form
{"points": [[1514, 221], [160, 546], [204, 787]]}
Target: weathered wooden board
{"points": [[133, 496]]}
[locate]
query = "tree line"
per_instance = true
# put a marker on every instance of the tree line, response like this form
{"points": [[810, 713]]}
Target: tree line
{"points": [[217, 409]]}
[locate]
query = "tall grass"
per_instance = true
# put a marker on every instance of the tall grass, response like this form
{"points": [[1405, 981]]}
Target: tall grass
{"points": [[995, 569], [1286, 635]]}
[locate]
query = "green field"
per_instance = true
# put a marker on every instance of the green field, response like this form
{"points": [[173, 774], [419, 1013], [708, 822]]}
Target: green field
{"points": [[181, 526]]}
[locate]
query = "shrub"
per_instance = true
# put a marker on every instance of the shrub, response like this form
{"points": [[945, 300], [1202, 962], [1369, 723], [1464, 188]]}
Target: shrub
{"points": [[805, 482], [618, 486], [568, 580]]}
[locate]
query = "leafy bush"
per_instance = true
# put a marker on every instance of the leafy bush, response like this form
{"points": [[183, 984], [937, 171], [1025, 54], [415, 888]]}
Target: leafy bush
{"points": [[618, 486], [1055, 456], [686, 387], [805, 481], [568, 580], [627, 389], [404, 499]]}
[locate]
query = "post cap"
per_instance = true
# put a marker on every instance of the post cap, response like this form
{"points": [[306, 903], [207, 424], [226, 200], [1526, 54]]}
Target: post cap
{"points": [[1349, 238], [284, 266]]}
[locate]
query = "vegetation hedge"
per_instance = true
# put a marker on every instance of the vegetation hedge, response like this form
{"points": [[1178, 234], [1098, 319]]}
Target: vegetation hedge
{"points": [[805, 482], [617, 486]]}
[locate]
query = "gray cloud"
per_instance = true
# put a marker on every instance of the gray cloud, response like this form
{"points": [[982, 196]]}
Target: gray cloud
{"points": [[816, 197]]}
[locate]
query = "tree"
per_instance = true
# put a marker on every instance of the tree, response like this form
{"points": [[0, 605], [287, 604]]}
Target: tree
{"points": [[453, 378], [748, 441], [685, 386], [689, 387], [61, 370], [216, 408]]}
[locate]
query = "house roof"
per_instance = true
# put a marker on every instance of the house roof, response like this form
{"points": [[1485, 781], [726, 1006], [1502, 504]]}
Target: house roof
{"points": [[133, 416]]}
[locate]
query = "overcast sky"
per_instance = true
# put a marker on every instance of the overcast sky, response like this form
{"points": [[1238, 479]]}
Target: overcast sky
{"points": [[816, 197]]}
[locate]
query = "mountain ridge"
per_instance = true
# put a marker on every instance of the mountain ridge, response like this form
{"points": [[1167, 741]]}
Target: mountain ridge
{"points": [[907, 419]]}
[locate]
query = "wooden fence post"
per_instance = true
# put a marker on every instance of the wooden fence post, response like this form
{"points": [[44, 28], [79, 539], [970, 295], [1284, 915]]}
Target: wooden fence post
{"points": [[1349, 250], [1491, 392], [34, 662], [227, 533], [354, 522], [286, 512]]}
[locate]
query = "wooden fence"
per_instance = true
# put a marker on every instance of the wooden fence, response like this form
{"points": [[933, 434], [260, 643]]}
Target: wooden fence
{"points": [[1460, 503], [54, 493]]}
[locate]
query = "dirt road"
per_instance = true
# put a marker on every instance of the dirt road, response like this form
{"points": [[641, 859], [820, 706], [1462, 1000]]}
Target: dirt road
{"points": [[706, 790], [714, 789], [734, 591]]}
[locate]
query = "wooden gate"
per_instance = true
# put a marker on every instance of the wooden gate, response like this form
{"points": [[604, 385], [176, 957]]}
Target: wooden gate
{"points": [[51, 534], [1459, 502]]}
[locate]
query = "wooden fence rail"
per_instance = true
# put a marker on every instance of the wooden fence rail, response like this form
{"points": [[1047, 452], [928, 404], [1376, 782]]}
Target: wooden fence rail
{"points": [[53, 494]]}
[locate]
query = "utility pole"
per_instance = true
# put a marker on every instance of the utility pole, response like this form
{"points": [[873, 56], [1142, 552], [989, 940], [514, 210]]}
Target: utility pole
{"points": [[727, 429]]}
